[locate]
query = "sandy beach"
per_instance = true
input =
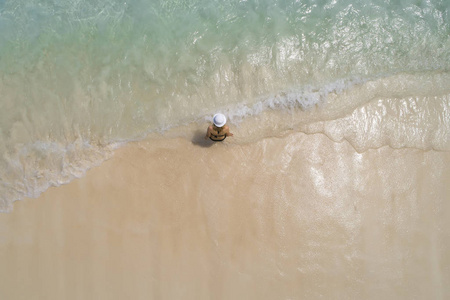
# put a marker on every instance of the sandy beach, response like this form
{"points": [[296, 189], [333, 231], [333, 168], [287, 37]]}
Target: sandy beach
{"points": [[297, 217]]}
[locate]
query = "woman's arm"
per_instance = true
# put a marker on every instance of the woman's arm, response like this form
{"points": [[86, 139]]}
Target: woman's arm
{"points": [[227, 131]]}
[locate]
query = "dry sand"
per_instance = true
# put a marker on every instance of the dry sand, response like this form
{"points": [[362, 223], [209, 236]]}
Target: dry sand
{"points": [[299, 217]]}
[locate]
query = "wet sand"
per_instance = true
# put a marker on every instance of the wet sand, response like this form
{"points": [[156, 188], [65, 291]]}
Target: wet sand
{"points": [[298, 217]]}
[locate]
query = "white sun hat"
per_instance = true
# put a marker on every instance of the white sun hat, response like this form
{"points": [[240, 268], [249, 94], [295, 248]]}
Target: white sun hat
{"points": [[219, 120]]}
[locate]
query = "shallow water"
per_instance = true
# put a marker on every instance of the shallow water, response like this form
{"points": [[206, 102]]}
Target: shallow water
{"points": [[80, 78]]}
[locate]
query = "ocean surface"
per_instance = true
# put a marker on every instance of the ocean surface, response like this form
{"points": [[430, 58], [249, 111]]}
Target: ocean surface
{"points": [[80, 78]]}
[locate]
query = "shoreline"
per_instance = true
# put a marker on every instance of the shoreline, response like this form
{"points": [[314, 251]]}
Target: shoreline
{"points": [[368, 115]]}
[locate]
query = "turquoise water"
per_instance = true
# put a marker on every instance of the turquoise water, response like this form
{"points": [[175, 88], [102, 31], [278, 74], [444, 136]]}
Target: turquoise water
{"points": [[79, 78]]}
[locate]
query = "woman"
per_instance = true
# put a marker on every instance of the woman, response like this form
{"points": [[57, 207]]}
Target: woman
{"points": [[219, 131]]}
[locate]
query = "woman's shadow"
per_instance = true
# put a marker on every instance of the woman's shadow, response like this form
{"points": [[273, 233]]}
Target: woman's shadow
{"points": [[199, 139]]}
